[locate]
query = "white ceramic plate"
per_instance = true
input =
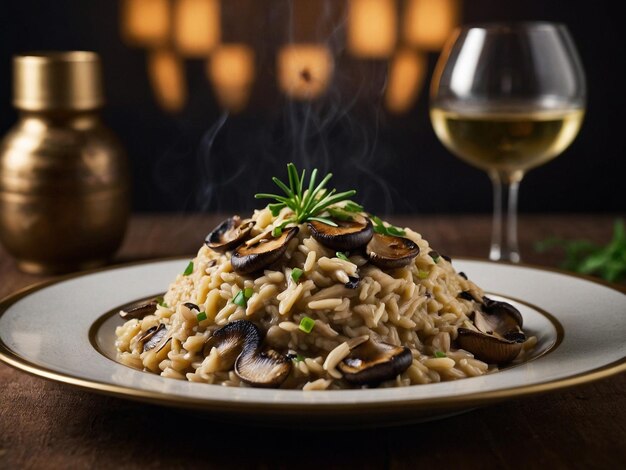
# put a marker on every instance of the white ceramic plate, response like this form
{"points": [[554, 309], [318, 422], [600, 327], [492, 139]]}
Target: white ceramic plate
{"points": [[64, 331]]}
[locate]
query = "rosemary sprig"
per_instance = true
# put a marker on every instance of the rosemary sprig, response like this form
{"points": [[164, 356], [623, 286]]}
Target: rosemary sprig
{"points": [[306, 204]]}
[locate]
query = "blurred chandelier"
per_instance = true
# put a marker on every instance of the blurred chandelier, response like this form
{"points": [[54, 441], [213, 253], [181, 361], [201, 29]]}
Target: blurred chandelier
{"points": [[399, 32]]}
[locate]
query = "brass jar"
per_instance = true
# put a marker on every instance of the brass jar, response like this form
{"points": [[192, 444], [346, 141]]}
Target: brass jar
{"points": [[64, 184]]}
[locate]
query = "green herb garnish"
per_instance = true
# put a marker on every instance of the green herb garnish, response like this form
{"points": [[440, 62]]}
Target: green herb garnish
{"points": [[585, 257], [440, 354], [277, 232], [307, 204], [161, 302], [298, 358], [435, 256], [340, 214], [242, 297], [295, 274], [380, 227], [353, 207], [201, 316], [422, 274], [307, 324], [189, 269], [342, 256]]}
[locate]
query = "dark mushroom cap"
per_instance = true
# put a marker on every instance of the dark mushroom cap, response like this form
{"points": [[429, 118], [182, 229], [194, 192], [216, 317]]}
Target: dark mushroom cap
{"points": [[262, 368], [374, 362], [504, 310], [228, 234], [248, 259], [139, 310], [488, 348], [390, 252], [231, 339], [153, 336], [348, 235], [353, 282], [499, 337], [239, 342]]}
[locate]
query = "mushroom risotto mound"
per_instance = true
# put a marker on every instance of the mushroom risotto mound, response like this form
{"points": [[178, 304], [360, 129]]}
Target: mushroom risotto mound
{"points": [[314, 293]]}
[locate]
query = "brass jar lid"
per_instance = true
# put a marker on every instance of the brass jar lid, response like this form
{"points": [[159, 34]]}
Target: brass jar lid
{"points": [[57, 81]]}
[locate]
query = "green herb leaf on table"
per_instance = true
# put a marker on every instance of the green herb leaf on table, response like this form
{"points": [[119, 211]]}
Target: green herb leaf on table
{"points": [[585, 257]]}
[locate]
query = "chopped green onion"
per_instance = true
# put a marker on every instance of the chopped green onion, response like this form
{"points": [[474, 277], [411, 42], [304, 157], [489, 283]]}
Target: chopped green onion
{"points": [[353, 207], [201, 316], [307, 324], [277, 232], [240, 299], [422, 274], [440, 354], [298, 358], [342, 256], [162, 302], [295, 274], [189, 269], [247, 292], [435, 256]]}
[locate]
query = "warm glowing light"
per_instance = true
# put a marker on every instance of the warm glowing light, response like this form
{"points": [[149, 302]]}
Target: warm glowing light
{"points": [[406, 75], [428, 23], [231, 70], [372, 28], [167, 76], [304, 70], [196, 26], [145, 22]]}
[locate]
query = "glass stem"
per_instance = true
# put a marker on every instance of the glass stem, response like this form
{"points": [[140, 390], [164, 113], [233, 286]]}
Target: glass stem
{"points": [[504, 245]]}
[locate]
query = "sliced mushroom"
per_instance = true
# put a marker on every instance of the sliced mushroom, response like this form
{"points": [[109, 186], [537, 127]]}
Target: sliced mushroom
{"points": [[228, 234], [262, 368], [390, 252], [239, 342], [488, 348], [248, 259], [153, 336], [231, 339], [139, 311], [348, 235], [499, 336], [374, 362], [503, 309]]}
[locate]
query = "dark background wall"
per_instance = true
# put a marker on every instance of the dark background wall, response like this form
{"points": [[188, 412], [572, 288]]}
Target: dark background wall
{"points": [[203, 159]]}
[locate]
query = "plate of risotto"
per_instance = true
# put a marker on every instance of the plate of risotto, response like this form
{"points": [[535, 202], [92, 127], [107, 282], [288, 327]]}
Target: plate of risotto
{"points": [[314, 307]]}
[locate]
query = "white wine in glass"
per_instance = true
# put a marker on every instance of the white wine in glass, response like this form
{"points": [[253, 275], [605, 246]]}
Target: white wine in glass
{"points": [[507, 98]]}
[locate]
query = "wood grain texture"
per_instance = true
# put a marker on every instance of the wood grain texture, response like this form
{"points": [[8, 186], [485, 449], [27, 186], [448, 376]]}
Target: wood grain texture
{"points": [[48, 425]]}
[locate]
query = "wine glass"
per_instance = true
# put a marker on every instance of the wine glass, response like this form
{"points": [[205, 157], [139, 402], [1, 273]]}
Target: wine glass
{"points": [[507, 98]]}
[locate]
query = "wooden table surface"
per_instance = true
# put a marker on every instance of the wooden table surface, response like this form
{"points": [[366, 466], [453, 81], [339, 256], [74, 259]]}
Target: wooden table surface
{"points": [[48, 425]]}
